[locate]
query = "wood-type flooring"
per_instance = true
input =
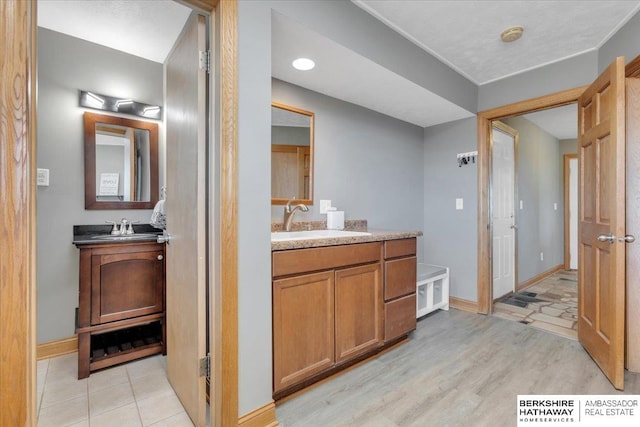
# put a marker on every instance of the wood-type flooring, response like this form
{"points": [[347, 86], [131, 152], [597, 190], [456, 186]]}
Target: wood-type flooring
{"points": [[458, 369]]}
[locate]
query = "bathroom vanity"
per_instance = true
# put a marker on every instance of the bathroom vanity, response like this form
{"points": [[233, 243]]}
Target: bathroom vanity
{"points": [[338, 301], [121, 312]]}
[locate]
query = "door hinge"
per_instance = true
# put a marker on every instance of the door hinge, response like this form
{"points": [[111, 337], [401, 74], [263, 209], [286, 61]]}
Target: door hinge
{"points": [[205, 60], [205, 366]]}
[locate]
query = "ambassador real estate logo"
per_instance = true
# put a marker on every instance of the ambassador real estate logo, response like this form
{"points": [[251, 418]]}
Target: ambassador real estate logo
{"points": [[579, 410]]}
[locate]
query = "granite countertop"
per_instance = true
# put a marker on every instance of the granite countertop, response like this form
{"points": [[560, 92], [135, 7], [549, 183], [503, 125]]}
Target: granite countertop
{"points": [[91, 234], [375, 236]]}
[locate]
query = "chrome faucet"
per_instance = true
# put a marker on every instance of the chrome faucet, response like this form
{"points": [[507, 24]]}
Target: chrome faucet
{"points": [[289, 211]]}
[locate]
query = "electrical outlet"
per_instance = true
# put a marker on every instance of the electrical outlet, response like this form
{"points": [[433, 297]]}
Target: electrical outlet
{"points": [[541, 256], [459, 204], [324, 205]]}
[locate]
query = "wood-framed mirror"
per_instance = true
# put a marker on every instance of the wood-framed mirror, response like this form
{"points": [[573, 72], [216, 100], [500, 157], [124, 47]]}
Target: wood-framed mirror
{"points": [[120, 163], [292, 131]]}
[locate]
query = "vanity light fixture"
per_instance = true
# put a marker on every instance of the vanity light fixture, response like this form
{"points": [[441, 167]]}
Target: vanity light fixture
{"points": [[152, 111], [511, 34], [123, 102], [94, 99], [303, 64], [119, 105]]}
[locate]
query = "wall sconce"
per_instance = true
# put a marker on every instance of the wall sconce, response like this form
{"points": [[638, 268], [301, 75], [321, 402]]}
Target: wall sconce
{"points": [[119, 105]]}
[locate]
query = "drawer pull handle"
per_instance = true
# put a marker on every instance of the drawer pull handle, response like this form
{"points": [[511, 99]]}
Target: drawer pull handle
{"points": [[160, 257]]}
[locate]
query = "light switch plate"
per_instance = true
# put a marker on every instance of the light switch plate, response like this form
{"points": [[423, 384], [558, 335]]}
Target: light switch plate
{"points": [[42, 178], [555, 206], [324, 204], [521, 205], [459, 204]]}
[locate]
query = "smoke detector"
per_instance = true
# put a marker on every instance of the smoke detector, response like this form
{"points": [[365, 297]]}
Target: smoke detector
{"points": [[511, 34]]}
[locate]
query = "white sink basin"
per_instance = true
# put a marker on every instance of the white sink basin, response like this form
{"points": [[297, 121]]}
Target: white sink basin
{"points": [[282, 236]]}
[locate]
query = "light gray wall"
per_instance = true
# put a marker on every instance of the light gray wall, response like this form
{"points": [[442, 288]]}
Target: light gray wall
{"points": [[568, 146], [254, 203], [290, 135], [623, 43], [369, 165], [450, 235], [65, 65], [570, 73], [540, 185]]}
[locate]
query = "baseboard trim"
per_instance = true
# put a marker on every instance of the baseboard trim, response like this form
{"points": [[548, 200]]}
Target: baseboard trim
{"points": [[265, 416], [538, 277], [56, 348], [463, 304]]}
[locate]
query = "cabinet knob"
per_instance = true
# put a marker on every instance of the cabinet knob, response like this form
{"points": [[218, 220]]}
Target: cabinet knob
{"points": [[160, 257]]}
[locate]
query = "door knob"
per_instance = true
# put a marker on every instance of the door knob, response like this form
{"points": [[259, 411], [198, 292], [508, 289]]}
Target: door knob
{"points": [[164, 238], [606, 238], [514, 227], [627, 239]]}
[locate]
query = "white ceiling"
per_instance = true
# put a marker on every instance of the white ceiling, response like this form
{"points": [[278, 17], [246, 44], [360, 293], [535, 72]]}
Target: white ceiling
{"points": [[466, 34], [463, 34], [145, 28]]}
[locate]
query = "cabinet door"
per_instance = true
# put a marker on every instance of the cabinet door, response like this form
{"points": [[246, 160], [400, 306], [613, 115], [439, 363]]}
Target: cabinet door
{"points": [[303, 327], [358, 307], [126, 285]]}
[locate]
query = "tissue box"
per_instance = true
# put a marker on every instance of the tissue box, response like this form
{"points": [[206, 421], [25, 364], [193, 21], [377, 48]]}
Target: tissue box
{"points": [[335, 220]]}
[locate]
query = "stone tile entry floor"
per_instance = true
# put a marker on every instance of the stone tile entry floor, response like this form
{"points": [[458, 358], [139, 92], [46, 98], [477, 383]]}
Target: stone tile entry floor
{"points": [[550, 305]]}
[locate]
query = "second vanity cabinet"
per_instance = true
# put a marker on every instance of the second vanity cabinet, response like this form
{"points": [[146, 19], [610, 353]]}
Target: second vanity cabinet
{"points": [[329, 308], [121, 313]]}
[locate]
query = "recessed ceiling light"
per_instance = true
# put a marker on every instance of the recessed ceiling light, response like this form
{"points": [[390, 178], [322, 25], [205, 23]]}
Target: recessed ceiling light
{"points": [[303, 64], [511, 34]]}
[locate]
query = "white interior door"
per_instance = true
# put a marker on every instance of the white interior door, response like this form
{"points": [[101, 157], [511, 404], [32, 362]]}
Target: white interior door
{"points": [[502, 211], [573, 214], [186, 90]]}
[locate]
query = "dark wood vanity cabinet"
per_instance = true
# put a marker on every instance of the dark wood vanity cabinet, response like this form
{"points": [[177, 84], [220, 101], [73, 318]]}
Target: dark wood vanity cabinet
{"points": [[121, 313]]}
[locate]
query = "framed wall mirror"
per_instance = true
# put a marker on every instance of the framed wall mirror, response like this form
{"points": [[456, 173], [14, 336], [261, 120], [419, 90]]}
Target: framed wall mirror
{"points": [[291, 154], [120, 163]]}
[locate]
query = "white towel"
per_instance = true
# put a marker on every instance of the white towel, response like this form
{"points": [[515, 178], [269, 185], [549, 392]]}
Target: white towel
{"points": [[158, 217]]}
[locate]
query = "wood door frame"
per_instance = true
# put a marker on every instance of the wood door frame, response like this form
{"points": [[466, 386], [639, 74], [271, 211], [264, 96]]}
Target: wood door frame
{"points": [[516, 136], [18, 21], [557, 99], [567, 221], [485, 125], [18, 304]]}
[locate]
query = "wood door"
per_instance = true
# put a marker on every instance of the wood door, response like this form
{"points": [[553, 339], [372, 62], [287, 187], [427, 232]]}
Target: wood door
{"points": [[503, 221], [358, 310], [303, 327], [601, 211], [185, 208]]}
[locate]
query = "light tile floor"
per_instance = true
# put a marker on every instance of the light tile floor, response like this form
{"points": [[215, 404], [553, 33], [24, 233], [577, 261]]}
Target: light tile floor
{"points": [[557, 312], [133, 394]]}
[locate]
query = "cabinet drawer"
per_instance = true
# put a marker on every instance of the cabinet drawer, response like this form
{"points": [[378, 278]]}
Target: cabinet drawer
{"points": [[399, 277], [398, 248], [400, 317], [329, 257]]}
